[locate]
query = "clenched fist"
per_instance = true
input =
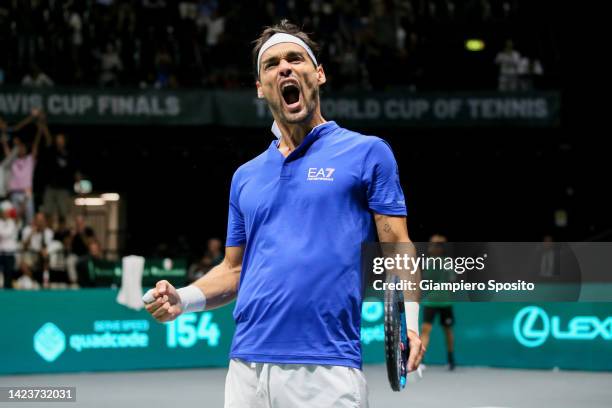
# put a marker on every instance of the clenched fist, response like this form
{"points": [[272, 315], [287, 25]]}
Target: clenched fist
{"points": [[163, 302]]}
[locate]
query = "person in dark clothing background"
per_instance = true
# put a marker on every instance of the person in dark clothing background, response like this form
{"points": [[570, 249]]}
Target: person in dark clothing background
{"points": [[81, 235], [60, 174]]}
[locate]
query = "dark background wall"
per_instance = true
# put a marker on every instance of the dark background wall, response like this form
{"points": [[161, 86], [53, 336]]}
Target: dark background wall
{"points": [[471, 184]]}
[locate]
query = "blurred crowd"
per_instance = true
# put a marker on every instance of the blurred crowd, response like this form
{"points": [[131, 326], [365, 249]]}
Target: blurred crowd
{"points": [[366, 44], [45, 242], [517, 72], [213, 255]]}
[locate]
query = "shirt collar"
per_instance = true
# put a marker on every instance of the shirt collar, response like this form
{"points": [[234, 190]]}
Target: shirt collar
{"points": [[314, 134], [276, 130]]}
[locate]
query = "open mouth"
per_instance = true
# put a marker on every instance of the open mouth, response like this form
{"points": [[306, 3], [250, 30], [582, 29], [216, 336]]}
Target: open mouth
{"points": [[291, 95]]}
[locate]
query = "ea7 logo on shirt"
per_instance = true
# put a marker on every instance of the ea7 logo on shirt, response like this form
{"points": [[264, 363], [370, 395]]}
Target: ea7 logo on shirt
{"points": [[320, 174]]}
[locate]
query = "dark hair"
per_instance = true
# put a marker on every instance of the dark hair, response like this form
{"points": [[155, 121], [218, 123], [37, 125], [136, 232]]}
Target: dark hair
{"points": [[283, 27]]}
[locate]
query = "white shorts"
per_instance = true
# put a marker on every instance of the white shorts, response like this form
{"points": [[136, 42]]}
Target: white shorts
{"points": [[266, 385]]}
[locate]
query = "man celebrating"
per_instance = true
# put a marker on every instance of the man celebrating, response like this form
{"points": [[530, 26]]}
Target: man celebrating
{"points": [[298, 215]]}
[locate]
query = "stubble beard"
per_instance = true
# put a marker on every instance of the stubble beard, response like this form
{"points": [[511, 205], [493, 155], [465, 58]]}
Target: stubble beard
{"points": [[302, 116]]}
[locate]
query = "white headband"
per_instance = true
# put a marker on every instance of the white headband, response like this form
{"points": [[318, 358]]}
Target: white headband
{"points": [[284, 38]]}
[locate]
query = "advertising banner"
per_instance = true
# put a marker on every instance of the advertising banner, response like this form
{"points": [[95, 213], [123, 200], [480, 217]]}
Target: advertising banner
{"points": [[84, 106], [87, 330]]}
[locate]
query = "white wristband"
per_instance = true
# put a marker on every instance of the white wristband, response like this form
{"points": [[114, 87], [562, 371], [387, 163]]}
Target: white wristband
{"points": [[192, 299], [411, 309]]}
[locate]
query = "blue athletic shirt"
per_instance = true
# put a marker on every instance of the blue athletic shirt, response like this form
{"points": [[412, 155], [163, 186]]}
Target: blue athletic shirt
{"points": [[302, 220]]}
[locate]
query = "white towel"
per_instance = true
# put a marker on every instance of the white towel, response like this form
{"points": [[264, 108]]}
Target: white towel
{"points": [[130, 294]]}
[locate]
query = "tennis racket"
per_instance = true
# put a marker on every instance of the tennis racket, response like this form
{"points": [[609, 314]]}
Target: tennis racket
{"points": [[396, 337]]}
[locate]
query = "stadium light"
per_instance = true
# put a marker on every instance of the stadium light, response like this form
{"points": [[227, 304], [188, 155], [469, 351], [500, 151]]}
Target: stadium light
{"points": [[110, 197], [89, 201], [474, 45]]}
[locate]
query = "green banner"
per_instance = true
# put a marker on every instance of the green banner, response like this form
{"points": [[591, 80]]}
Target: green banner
{"points": [[86, 330], [106, 273], [78, 106], [575, 336]]}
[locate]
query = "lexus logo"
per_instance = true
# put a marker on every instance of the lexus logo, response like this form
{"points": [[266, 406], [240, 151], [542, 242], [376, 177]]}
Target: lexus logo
{"points": [[532, 327], [525, 323]]}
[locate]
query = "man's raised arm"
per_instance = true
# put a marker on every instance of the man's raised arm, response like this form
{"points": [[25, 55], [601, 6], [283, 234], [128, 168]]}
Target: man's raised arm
{"points": [[217, 288]]}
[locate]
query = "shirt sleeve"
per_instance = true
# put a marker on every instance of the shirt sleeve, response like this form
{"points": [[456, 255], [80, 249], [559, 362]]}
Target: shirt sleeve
{"points": [[236, 235], [381, 178]]}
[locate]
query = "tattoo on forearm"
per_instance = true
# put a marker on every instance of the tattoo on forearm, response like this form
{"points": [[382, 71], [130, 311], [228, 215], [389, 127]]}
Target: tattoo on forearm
{"points": [[387, 228]]}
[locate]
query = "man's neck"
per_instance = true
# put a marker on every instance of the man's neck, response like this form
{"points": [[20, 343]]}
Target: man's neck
{"points": [[293, 134]]}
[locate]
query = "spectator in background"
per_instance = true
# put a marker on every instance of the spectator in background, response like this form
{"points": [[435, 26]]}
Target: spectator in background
{"points": [[188, 10], [523, 74], [80, 237], [110, 66], [35, 242], [61, 232], [61, 172], [76, 28], [94, 249], [529, 70], [94, 253], [37, 236], [215, 27], [214, 253], [509, 61], [8, 243], [62, 235], [36, 78], [76, 244], [5, 164], [22, 173], [535, 70], [26, 279], [10, 155], [163, 67], [212, 257]]}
